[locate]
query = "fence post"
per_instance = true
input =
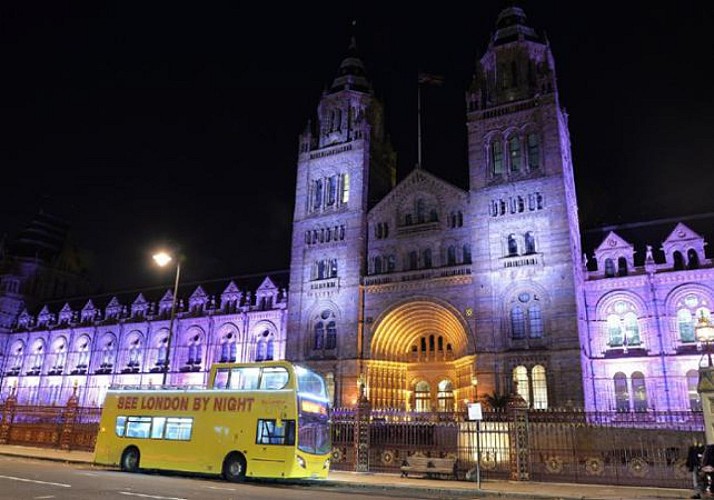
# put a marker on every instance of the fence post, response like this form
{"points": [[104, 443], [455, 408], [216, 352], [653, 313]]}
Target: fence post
{"points": [[68, 418], [8, 413], [520, 454], [361, 435]]}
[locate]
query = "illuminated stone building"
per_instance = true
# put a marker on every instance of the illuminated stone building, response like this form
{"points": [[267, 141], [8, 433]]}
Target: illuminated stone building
{"points": [[425, 293]]}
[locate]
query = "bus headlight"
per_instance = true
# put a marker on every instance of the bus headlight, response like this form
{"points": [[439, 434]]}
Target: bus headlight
{"points": [[301, 462], [327, 464]]}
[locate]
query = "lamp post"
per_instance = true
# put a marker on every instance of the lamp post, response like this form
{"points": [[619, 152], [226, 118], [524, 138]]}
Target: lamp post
{"points": [[705, 334], [163, 259]]}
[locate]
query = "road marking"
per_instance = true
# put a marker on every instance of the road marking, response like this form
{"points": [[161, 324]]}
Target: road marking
{"points": [[222, 489], [91, 474], [46, 496], [142, 495], [35, 481]]}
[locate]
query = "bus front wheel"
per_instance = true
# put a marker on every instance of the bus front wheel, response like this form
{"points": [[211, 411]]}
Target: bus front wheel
{"points": [[234, 468], [130, 459]]}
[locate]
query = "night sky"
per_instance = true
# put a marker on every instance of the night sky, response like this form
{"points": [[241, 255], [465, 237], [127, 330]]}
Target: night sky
{"points": [[142, 123]]}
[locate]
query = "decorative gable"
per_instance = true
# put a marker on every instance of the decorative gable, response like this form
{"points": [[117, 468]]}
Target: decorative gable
{"points": [[113, 309], [45, 317], [89, 312], [266, 294], [231, 297], [684, 248], [140, 306], [197, 300], [25, 320], [615, 256], [165, 303], [65, 314]]}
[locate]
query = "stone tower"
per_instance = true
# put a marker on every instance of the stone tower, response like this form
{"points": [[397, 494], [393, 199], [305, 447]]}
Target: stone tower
{"points": [[525, 237], [344, 165]]}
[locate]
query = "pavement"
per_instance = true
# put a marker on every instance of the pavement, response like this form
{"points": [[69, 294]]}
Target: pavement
{"points": [[405, 487]]}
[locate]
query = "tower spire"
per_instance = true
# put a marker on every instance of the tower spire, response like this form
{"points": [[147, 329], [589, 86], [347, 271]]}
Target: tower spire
{"points": [[351, 75]]}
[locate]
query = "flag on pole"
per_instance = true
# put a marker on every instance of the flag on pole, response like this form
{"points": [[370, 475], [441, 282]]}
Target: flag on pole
{"points": [[430, 79]]}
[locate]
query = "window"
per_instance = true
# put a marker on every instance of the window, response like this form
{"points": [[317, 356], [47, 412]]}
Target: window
{"points": [[317, 202], [345, 188], [451, 256], [275, 432], [639, 392], [512, 245], [422, 396], [413, 260], [535, 321], [420, 211], [173, 428], [540, 388], [377, 264], [274, 378], [695, 401], [331, 190], [331, 338], [678, 260], [685, 324], [514, 153], [530, 243], [533, 151], [426, 258], [497, 158], [692, 259], [622, 266], [622, 398], [609, 268], [445, 396], [518, 323], [467, 254], [520, 380], [227, 348]]}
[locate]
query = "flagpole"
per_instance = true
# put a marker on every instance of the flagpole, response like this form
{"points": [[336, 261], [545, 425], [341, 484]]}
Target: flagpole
{"points": [[418, 123]]}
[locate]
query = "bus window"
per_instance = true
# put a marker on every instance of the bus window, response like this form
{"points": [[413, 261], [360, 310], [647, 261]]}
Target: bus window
{"points": [[270, 433], [244, 378], [274, 378], [120, 425], [138, 427], [310, 383], [179, 429], [157, 430], [221, 381]]}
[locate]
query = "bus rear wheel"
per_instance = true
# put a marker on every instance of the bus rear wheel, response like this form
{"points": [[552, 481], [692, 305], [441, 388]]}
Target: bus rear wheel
{"points": [[234, 468], [130, 459]]}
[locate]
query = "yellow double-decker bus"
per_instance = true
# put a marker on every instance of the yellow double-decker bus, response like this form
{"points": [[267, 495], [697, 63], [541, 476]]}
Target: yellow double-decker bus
{"points": [[268, 419]]}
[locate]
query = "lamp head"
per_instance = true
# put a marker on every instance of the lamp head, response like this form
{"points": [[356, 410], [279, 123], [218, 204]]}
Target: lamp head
{"points": [[162, 258], [704, 329]]}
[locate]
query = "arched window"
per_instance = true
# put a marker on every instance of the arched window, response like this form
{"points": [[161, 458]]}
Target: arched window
{"points": [[639, 392], [622, 266], [467, 253], [433, 215], [17, 355], [413, 260], [678, 260], [228, 348], [331, 338], [319, 335], [134, 358], [609, 268], [514, 153], [195, 351], [422, 396], [162, 349], [82, 353], [345, 188], [426, 258], [520, 379], [317, 202], [459, 218], [695, 401], [512, 245], [540, 388], [497, 158], [420, 211], [451, 256], [108, 353], [445, 396], [391, 263], [533, 151], [692, 259], [518, 323], [622, 398], [535, 321], [59, 353], [685, 325], [264, 348], [530, 243], [377, 264], [632, 330], [331, 190], [614, 331]]}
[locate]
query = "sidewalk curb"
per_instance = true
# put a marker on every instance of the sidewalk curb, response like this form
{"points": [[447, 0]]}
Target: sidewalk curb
{"points": [[67, 460]]}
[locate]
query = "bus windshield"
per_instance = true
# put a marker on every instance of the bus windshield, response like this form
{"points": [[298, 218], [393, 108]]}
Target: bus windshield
{"points": [[310, 383]]}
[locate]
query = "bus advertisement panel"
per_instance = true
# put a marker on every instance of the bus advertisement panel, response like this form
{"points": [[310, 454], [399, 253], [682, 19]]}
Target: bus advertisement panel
{"points": [[267, 419]]}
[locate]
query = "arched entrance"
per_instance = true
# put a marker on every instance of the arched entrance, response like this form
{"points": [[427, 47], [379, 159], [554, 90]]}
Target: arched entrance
{"points": [[420, 358]]}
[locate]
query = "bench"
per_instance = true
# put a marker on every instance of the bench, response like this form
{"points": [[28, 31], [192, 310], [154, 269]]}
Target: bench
{"points": [[429, 467]]}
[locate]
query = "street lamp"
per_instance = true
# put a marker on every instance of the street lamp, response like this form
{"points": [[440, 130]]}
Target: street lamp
{"points": [[705, 334], [163, 259]]}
